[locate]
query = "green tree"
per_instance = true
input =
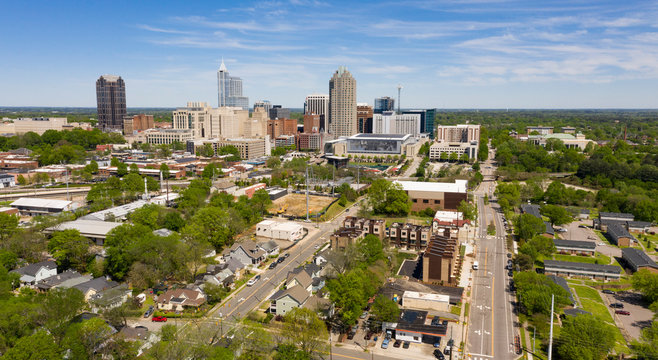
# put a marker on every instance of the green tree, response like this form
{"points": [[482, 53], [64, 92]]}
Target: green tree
{"points": [[70, 249], [534, 293], [387, 198], [8, 226], [134, 169], [173, 221], [211, 224], [556, 214], [528, 226], [385, 309], [469, 211], [273, 162], [122, 169], [303, 328], [39, 345], [59, 307], [21, 180], [290, 352], [230, 150], [260, 200], [646, 282], [453, 157], [164, 169], [585, 337], [84, 339], [647, 346], [372, 249]]}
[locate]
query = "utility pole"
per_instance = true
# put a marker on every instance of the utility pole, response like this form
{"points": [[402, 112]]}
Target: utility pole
{"points": [[534, 330], [550, 338], [307, 194], [68, 197], [333, 179]]}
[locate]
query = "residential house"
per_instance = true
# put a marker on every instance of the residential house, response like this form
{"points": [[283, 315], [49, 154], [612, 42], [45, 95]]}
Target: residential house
{"points": [[285, 300], [95, 286], [179, 299], [618, 235], [587, 270], [637, 259], [33, 273], [344, 237], [271, 248], [439, 261], [65, 280], [137, 333], [299, 277], [587, 248], [248, 253], [409, 236], [110, 298]]}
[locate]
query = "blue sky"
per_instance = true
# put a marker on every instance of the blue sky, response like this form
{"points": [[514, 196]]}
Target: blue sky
{"points": [[446, 54]]}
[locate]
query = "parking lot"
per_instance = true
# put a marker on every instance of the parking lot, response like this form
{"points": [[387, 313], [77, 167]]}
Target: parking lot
{"points": [[640, 316], [575, 232]]}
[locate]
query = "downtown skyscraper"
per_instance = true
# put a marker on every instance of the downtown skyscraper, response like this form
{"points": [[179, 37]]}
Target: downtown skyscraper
{"points": [[342, 103], [111, 102], [318, 104], [229, 89]]}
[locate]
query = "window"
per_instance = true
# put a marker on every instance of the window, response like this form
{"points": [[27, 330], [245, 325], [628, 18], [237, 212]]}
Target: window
{"points": [[437, 201], [425, 201], [415, 200]]}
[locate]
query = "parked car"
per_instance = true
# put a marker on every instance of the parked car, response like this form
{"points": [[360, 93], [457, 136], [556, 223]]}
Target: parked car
{"points": [[562, 230], [368, 335], [606, 291], [363, 315], [286, 255], [405, 345], [273, 265], [439, 355], [617, 305], [385, 344], [437, 343], [351, 333], [622, 312], [447, 350], [149, 311], [397, 343], [159, 319], [509, 255], [582, 226], [280, 260]]}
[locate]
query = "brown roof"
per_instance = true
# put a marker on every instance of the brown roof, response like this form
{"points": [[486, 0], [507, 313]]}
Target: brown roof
{"points": [[303, 278], [185, 296], [296, 292]]}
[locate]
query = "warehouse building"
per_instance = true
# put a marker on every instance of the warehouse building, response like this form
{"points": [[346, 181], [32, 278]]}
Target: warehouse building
{"points": [[94, 230], [435, 195], [37, 206], [279, 230]]}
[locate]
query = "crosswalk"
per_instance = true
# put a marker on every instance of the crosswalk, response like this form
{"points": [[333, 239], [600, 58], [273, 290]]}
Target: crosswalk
{"points": [[478, 357]]}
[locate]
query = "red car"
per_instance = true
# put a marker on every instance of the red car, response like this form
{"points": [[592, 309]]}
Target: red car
{"points": [[622, 312], [159, 319]]}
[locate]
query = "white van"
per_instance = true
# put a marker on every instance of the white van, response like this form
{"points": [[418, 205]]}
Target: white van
{"points": [[475, 265]]}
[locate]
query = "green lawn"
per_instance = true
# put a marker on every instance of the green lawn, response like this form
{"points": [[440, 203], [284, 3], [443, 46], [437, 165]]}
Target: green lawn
{"points": [[334, 210], [587, 292], [596, 259], [456, 310], [467, 307]]}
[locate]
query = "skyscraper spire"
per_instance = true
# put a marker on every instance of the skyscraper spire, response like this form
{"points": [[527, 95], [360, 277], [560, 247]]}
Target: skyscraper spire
{"points": [[222, 67]]}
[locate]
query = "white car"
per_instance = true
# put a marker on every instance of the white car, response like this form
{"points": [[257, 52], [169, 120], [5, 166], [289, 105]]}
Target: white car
{"points": [[601, 244]]}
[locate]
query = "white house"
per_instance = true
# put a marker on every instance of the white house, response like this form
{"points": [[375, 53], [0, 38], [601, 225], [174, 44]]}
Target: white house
{"points": [[36, 272]]}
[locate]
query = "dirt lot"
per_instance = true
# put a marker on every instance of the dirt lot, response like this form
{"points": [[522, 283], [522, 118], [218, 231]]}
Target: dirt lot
{"points": [[295, 204]]}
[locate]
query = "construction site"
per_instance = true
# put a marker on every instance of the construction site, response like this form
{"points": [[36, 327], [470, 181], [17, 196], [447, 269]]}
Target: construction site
{"points": [[295, 204]]}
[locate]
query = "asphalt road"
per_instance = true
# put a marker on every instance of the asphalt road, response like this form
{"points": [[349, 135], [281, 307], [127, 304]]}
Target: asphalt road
{"points": [[491, 327]]}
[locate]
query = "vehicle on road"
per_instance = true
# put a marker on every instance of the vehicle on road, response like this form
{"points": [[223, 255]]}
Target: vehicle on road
{"points": [[439, 355], [280, 260], [622, 312], [397, 343], [149, 311], [159, 319], [562, 230], [385, 344], [606, 291], [273, 265], [582, 226], [286, 255], [510, 273], [253, 280], [447, 350], [405, 345], [316, 247], [601, 244], [617, 305], [476, 265]]}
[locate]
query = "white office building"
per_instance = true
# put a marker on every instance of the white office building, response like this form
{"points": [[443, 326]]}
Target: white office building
{"points": [[279, 230], [389, 122]]}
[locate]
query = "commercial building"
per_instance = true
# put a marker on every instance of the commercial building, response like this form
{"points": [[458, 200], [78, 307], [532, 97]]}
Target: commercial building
{"points": [[279, 112], [435, 195], [342, 103], [279, 230], [38, 206], [374, 145], [577, 141], [443, 150], [249, 148], [264, 105], [541, 130], [311, 123], [7, 180], [314, 141], [318, 104], [569, 269], [137, 123], [111, 102], [364, 118], [229, 89], [572, 247], [439, 260], [425, 301], [384, 103], [168, 136], [284, 140], [458, 133], [94, 230], [250, 190], [38, 125], [281, 126], [426, 120], [389, 122], [637, 259]]}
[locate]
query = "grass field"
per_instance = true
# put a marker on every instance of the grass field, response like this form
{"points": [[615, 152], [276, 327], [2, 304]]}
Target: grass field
{"points": [[334, 210], [295, 204], [597, 259]]}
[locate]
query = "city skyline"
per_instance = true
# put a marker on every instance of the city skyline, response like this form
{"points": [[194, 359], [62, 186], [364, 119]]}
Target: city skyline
{"points": [[446, 54]]}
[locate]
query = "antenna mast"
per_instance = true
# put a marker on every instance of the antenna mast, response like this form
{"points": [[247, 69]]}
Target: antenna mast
{"points": [[399, 88]]}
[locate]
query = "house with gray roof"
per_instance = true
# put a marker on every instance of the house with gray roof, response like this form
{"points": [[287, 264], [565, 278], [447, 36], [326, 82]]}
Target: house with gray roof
{"points": [[573, 247], [285, 300], [299, 277], [569, 269], [618, 235], [94, 286], [531, 209], [33, 273], [65, 280], [561, 282], [109, 298], [271, 248], [637, 259], [248, 253]]}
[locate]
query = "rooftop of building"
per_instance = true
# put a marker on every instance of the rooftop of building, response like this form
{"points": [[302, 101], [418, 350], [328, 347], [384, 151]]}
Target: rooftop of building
{"points": [[459, 186], [638, 257], [380, 136], [590, 245], [86, 227], [567, 265], [44, 203]]}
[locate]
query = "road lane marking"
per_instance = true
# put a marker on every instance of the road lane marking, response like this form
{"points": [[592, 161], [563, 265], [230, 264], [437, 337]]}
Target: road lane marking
{"points": [[492, 315]]}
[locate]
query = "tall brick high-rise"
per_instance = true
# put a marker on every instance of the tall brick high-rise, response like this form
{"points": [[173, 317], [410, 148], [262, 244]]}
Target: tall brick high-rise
{"points": [[342, 103], [111, 102]]}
